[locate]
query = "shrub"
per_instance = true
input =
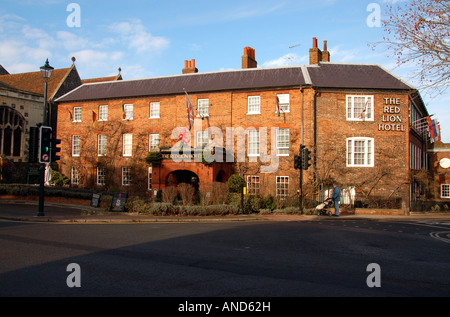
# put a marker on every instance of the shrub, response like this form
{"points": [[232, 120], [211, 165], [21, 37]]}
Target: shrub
{"points": [[168, 194], [186, 192], [235, 183], [59, 179]]}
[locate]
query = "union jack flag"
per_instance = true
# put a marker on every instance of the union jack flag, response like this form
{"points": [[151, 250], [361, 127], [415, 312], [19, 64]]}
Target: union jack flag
{"points": [[190, 112]]}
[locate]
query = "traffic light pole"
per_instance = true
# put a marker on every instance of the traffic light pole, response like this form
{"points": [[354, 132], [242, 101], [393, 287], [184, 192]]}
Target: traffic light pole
{"points": [[300, 196], [41, 190]]}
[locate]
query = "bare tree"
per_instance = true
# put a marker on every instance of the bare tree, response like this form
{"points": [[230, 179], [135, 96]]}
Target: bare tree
{"points": [[418, 31]]}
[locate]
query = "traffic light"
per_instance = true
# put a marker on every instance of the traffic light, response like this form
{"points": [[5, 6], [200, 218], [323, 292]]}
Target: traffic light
{"points": [[306, 157], [297, 162], [33, 145], [55, 150], [45, 144]]}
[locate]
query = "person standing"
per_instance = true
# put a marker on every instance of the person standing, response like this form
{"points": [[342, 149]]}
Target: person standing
{"points": [[336, 196]]}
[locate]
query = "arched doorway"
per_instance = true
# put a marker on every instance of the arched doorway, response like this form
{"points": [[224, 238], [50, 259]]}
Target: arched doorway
{"points": [[182, 176]]}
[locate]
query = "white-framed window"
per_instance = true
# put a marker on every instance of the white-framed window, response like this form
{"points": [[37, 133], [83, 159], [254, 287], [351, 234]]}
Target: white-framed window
{"points": [[283, 103], [127, 144], [126, 176], [254, 105], [283, 141], [75, 175], [253, 143], [77, 114], [253, 185], [203, 107], [202, 139], [150, 170], [103, 113], [101, 141], [154, 110], [76, 141], [101, 176], [282, 187], [153, 142], [360, 152], [360, 108], [445, 190], [128, 112]]}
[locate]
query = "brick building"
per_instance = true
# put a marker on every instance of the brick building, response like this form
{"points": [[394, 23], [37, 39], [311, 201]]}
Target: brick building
{"points": [[357, 119]]}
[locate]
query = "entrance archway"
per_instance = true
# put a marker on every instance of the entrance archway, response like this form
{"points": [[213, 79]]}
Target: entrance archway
{"points": [[182, 176]]}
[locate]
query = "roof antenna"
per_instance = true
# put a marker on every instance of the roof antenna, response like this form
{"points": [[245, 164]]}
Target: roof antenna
{"points": [[291, 47]]}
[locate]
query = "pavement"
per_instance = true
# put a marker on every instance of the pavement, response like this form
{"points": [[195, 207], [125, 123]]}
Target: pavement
{"points": [[17, 210]]}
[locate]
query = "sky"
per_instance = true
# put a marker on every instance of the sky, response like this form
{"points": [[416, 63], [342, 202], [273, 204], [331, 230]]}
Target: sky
{"points": [[154, 38]]}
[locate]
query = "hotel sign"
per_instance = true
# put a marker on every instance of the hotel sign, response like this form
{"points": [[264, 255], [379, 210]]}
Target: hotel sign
{"points": [[392, 117]]}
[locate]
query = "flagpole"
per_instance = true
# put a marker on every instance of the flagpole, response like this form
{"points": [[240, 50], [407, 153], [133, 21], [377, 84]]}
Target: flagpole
{"points": [[190, 99]]}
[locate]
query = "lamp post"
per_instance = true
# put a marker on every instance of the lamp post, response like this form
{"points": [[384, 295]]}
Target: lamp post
{"points": [[46, 72]]}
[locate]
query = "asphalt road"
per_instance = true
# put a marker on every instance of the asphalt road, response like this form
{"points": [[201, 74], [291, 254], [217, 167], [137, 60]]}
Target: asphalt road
{"points": [[261, 259]]}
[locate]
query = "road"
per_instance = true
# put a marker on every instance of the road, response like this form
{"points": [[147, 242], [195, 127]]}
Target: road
{"points": [[261, 259]]}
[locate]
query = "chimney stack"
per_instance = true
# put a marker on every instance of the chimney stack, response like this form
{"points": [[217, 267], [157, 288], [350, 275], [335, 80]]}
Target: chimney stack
{"points": [[189, 67], [325, 53], [316, 55], [248, 59]]}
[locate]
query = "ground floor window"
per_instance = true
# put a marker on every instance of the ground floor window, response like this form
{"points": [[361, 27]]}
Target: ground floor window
{"points": [[253, 185], [445, 190], [282, 187], [126, 176], [75, 175], [101, 174]]}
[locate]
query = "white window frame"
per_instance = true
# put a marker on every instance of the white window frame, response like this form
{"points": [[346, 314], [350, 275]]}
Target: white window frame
{"points": [[282, 145], [77, 114], [253, 142], [102, 141], [127, 144], [282, 187], [75, 175], [253, 185], [153, 142], [155, 108], [150, 171], [128, 110], [203, 108], [445, 190], [367, 155], [76, 145], [202, 139], [103, 113], [101, 176], [283, 103], [354, 114], [126, 176], [254, 105]]}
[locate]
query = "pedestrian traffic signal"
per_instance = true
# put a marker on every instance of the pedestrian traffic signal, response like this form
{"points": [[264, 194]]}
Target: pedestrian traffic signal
{"points": [[297, 162], [306, 157], [55, 150], [45, 144]]}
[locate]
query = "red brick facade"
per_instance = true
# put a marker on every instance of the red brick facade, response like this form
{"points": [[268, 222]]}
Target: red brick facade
{"points": [[358, 129]]}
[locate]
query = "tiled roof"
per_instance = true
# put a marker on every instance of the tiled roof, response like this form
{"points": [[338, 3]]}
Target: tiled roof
{"points": [[323, 75], [101, 79], [33, 82]]}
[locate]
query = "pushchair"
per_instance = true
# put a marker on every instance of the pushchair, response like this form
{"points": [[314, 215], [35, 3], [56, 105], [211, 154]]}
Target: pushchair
{"points": [[322, 209]]}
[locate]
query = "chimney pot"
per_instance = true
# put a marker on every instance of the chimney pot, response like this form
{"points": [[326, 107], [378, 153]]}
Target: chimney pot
{"points": [[193, 63], [314, 42], [185, 63]]}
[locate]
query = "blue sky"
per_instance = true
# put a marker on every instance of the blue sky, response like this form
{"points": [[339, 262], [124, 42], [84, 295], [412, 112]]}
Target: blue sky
{"points": [[153, 38]]}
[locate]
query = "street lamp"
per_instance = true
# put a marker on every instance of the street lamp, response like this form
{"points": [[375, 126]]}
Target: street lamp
{"points": [[46, 72]]}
